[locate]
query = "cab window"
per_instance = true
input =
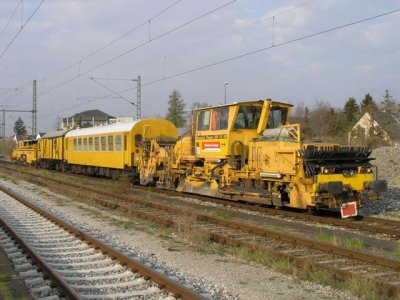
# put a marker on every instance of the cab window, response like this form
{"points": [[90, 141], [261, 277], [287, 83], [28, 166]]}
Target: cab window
{"points": [[248, 117], [277, 117], [219, 119], [203, 120]]}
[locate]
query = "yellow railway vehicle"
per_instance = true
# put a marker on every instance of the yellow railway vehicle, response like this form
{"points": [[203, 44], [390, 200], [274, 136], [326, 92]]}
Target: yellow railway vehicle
{"points": [[51, 150], [115, 149], [248, 151], [26, 152]]}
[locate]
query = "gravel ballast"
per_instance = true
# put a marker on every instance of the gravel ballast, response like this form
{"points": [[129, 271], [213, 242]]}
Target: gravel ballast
{"points": [[217, 276]]}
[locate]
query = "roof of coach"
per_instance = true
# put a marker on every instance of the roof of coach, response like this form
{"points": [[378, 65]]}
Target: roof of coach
{"points": [[54, 134], [118, 127]]}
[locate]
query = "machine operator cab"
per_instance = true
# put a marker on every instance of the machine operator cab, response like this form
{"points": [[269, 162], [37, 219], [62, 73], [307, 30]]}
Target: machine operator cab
{"points": [[225, 131]]}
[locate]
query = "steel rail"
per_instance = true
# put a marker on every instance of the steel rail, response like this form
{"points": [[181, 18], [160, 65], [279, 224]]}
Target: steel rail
{"points": [[160, 279], [323, 246], [363, 223], [62, 285], [125, 206]]}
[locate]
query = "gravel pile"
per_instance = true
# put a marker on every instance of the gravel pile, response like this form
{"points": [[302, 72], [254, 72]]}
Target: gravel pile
{"points": [[387, 159]]}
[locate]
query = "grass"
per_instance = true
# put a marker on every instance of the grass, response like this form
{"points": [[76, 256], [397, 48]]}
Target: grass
{"points": [[396, 253], [219, 214], [281, 228], [125, 224], [5, 292], [354, 243]]}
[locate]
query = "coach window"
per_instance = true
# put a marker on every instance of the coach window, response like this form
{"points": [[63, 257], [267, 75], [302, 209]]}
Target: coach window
{"points": [[103, 143], [138, 140], [117, 143], [54, 144], [203, 120], [125, 142], [96, 143], [85, 144], [110, 143], [75, 147], [79, 144], [90, 145]]}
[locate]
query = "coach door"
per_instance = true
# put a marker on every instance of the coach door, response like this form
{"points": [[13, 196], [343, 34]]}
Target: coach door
{"points": [[126, 156]]}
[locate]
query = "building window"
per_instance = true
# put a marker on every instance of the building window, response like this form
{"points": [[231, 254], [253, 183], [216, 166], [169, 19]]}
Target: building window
{"points": [[110, 143], [118, 143], [90, 146], [96, 143], [103, 143]]}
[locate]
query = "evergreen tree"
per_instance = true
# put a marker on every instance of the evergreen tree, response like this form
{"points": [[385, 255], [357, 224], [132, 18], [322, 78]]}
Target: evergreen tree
{"points": [[368, 104], [176, 113], [19, 127], [351, 112], [387, 105]]}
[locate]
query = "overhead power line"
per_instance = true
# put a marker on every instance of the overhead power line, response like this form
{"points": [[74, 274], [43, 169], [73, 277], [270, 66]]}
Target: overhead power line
{"points": [[130, 31], [9, 20], [242, 56], [22, 27], [139, 46]]}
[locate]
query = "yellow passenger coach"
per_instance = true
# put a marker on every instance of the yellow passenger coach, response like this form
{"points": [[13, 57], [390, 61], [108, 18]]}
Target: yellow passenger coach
{"points": [[112, 149]]}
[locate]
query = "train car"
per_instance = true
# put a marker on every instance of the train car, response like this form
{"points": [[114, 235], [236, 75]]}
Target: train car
{"points": [[51, 150], [113, 150], [25, 152], [249, 152]]}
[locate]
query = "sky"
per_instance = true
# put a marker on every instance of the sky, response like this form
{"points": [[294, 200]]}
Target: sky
{"points": [[86, 54]]}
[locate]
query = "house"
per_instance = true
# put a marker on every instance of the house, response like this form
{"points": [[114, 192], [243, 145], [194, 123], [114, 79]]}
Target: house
{"points": [[385, 126], [86, 118]]}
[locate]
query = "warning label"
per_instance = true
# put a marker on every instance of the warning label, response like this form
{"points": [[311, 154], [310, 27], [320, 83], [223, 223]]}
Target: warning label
{"points": [[211, 146]]}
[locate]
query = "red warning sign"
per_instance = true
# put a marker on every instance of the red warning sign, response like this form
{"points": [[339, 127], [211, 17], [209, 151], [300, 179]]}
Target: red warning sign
{"points": [[211, 146]]}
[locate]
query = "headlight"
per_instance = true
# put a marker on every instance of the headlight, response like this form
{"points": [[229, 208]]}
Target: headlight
{"points": [[326, 171]]}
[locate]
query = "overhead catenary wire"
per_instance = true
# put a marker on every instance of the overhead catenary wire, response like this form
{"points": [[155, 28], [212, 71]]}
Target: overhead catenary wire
{"points": [[249, 53], [22, 27], [11, 17], [98, 50], [139, 46]]}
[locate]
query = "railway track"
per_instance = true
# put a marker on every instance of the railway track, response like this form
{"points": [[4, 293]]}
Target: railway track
{"points": [[340, 262], [372, 225], [81, 266]]}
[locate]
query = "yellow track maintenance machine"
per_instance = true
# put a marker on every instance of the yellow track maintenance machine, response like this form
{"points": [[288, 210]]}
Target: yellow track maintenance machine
{"points": [[249, 152]]}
